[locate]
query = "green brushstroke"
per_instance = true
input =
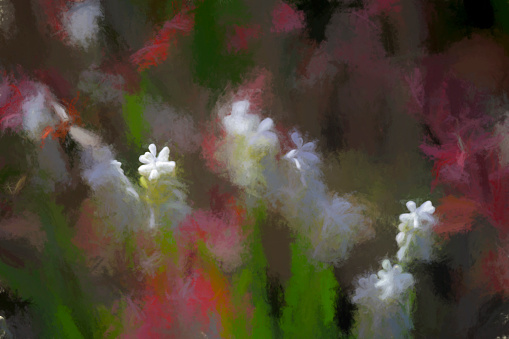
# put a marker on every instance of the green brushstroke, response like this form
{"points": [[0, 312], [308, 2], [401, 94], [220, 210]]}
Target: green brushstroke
{"points": [[251, 281], [57, 301], [501, 11], [157, 11], [132, 109], [213, 67], [310, 298]]}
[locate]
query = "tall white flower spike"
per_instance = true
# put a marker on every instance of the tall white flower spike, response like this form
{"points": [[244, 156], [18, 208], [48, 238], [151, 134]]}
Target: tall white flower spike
{"points": [[393, 282], [415, 227], [156, 165], [303, 156]]}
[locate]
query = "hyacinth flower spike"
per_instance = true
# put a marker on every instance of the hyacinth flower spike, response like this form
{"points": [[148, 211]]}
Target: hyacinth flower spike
{"points": [[417, 221]]}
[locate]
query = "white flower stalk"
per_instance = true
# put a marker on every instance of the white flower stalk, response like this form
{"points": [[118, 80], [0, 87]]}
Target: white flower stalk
{"points": [[304, 155], [156, 165], [383, 303], [164, 193], [415, 237]]}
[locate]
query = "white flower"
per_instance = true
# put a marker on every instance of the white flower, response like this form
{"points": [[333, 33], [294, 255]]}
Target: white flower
{"points": [[418, 216], [367, 292], [415, 227], [393, 282], [155, 165], [264, 137], [81, 22], [303, 156], [240, 123]]}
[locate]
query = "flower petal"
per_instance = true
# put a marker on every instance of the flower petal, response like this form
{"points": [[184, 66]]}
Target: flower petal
{"points": [[152, 148], [145, 169], [154, 174], [405, 217], [427, 207], [164, 154], [400, 238], [240, 107], [308, 147], [146, 158], [297, 163], [297, 140], [291, 154], [265, 125], [309, 157], [167, 166], [411, 206]]}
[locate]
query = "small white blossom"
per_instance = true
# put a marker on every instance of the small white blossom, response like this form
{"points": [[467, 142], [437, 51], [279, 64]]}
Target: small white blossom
{"points": [[303, 156], [418, 215], [393, 282], [156, 165], [415, 229]]}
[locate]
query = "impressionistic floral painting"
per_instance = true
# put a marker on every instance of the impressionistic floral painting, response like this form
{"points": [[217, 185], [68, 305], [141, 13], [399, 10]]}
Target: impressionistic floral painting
{"points": [[254, 169]]}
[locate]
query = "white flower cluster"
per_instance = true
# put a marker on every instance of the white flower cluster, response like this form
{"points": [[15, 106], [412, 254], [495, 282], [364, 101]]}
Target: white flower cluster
{"points": [[332, 224], [415, 236], [250, 143], [383, 299], [383, 303]]}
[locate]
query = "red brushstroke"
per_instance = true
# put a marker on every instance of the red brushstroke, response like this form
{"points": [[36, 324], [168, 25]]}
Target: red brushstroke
{"points": [[62, 129], [286, 18], [495, 266], [156, 50], [53, 10], [10, 110], [455, 215], [241, 37]]}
